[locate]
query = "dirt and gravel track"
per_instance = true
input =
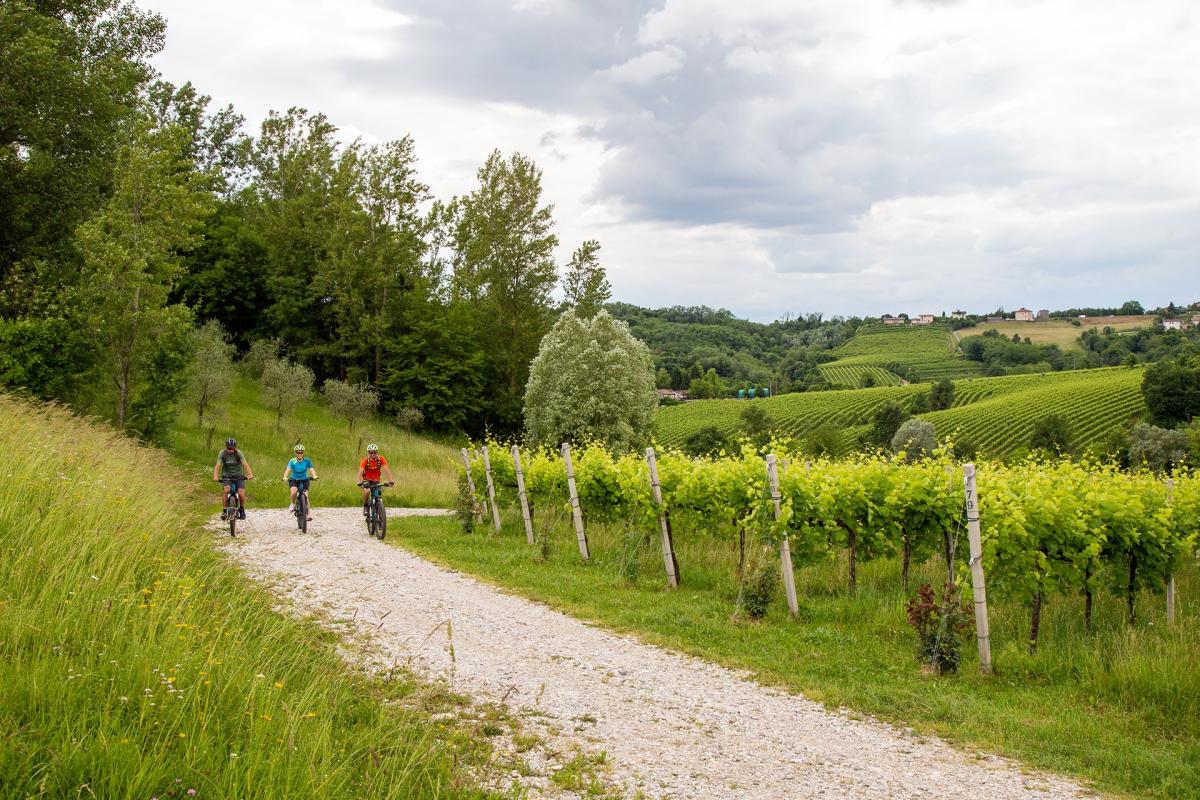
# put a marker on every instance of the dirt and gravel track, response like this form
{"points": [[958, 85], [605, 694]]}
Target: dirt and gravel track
{"points": [[671, 726]]}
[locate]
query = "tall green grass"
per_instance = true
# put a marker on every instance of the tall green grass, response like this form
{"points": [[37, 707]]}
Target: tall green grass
{"points": [[423, 468], [135, 663], [1119, 707]]}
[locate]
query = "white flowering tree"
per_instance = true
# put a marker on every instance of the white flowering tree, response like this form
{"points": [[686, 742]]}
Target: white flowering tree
{"points": [[591, 379]]}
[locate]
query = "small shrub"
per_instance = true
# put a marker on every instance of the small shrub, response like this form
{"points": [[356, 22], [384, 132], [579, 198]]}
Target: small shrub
{"points": [[760, 581], [826, 440], [915, 439], [465, 508], [1051, 433], [261, 353], [409, 418], [707, 441], [940, 626]]}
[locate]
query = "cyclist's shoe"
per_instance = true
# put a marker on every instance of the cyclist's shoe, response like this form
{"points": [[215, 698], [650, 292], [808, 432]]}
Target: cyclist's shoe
{"points": [[241, 513], [291, 508], [224, 516], [365, 511]]}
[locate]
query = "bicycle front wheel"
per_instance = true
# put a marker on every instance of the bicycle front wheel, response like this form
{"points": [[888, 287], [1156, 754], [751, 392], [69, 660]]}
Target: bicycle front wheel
{"points": [[302, 512], [381, 519]]}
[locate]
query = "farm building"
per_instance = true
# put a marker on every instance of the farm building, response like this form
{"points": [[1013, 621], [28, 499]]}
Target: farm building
{"points": [[888, 319], [1173, 324], [672, 394], [1023, 315], [958, 314], [1043, 315], [923, 319], [1196, 320]]}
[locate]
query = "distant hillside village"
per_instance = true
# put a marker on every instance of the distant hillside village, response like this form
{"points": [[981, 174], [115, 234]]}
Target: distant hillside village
{"points": [[1173, 318]]}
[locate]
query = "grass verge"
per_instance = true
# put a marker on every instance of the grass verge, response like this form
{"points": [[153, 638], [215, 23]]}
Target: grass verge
{"points": [[1119, 708], [134, 663], [422, 467]]}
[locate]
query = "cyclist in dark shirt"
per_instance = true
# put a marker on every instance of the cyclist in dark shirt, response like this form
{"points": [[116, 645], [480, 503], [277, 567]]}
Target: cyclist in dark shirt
{"points": [[232, 467]]}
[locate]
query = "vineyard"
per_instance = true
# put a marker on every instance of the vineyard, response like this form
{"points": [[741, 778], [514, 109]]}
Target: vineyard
{"points": [[853, 375], [930, 352], [994, 414], [1061, 528]]}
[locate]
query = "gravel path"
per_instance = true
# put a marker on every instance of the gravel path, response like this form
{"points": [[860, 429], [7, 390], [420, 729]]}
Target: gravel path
{"points": [[672, 726]]}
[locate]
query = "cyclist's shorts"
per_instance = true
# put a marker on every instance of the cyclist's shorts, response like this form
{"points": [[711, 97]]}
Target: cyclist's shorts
{"points": [[237, 483], [301, 484]]}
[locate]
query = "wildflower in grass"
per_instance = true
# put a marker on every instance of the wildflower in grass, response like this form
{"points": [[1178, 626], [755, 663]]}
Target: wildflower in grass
{"points": [[267, 717], [278, 685], [310, 715]]}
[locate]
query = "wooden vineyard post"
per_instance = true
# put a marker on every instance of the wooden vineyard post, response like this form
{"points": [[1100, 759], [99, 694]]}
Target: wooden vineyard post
{"points": [[576, 511], [668, 545], [487, 470], [982, 635], [1171, 579], [516, 454], [470, 480], [785, 548]]}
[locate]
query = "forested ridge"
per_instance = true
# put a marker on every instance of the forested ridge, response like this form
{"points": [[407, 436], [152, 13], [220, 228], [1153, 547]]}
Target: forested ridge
{"points": [[132, 210]]}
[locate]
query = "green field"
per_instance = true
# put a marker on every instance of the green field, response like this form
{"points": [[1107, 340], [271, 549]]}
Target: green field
{"points": [[1056, 331], [995, 414], [423, 469], [136, 662], [929, 351]]}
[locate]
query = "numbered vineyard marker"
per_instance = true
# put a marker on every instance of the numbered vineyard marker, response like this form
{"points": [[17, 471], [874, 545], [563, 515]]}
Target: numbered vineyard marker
{"points": [[785, 549], [576, 511], [1171, 579], [982, 635], [668, 545], [487, 470], [516, 454], [470, 482]]}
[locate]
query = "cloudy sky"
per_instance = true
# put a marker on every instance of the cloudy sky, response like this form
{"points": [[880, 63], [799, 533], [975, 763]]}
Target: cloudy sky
{"points": [[773, 157]]}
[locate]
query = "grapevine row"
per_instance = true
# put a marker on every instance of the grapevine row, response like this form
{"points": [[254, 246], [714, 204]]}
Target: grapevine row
{"points": [[1048, 528]]}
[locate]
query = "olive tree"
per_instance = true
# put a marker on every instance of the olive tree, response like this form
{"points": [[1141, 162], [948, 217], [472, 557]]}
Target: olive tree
{"points": [[351, 400], [591, 379], [210, 375], [285, 384], [1157, 448]]}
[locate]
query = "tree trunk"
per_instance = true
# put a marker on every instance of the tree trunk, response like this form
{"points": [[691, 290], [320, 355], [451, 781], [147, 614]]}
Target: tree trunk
{"points": [[853, 542], [741, 550], [1036, 622], [1087, 600], [1131, 591], [948, 554]]}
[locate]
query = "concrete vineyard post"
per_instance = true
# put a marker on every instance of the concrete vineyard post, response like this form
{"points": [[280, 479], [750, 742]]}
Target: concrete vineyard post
{"points": [[576, 511], [982, 634], [516, 454], [1171, 579], [487, 470], [470, 480], [785, 548], [668, 546]]}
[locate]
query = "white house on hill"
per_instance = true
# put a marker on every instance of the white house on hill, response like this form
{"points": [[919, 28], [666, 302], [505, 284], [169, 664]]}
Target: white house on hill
{"points": [[1173, 324], [958, 314], [923, 319], [1023, 315]]}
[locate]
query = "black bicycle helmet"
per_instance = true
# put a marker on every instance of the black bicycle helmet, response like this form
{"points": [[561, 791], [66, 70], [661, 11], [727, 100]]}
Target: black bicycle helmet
{"points": [[231, 442]]}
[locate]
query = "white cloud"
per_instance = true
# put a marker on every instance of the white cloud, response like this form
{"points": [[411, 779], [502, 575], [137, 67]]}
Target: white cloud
{"points": [[777, 155]]}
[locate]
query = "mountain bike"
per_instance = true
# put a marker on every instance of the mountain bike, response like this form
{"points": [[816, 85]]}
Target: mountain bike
{"points": [[232, 509], [301, 510], [376, 513]]}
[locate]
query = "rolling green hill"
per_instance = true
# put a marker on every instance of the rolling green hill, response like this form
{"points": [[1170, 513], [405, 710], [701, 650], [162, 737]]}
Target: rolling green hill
{"points": [[423, 469], [995, 414], [929, 352]]}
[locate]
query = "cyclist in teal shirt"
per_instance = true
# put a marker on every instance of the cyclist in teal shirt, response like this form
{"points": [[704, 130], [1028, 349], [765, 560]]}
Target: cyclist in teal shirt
{"points": [[298, 472]]}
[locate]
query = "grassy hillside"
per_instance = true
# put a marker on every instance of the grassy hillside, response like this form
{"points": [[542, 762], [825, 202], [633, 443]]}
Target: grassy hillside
{"points": [[928, 351], [134, 662], [1056, 331], [422, 468], [995, 414]]}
